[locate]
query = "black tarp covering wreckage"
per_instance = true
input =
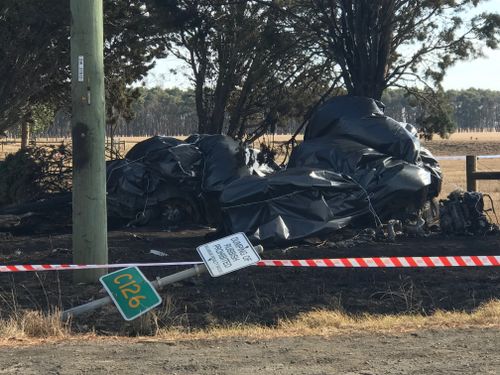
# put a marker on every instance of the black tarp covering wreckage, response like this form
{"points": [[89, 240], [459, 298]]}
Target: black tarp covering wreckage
{"points": [[356, 167]]}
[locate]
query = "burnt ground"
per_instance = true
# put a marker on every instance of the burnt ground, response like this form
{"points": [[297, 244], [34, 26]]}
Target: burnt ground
{"points": [[254, 295], [262, 295]]}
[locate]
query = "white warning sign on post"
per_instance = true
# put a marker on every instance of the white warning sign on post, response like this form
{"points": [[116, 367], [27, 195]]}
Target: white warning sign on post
{"points": [[228, 254], [81, 69]]}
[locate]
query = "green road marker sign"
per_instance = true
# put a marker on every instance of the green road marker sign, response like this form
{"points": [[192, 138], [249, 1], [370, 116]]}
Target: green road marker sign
{"points": [[131, 292]]}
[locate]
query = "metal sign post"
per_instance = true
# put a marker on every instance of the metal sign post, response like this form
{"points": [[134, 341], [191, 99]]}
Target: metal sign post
{"points": [[157, 284]]}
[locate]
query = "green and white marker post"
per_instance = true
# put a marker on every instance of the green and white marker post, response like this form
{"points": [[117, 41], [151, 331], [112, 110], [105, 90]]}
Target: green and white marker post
{"points": [[131, 292], [223, 256]]}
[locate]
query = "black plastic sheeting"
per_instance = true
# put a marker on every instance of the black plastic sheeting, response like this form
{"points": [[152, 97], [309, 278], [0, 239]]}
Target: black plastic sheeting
{"points": [[173, 180], [292, 204], [356, 167]]}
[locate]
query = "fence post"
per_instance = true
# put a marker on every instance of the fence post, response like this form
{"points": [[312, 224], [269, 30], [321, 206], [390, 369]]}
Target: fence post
{"points": [[470, 169]]}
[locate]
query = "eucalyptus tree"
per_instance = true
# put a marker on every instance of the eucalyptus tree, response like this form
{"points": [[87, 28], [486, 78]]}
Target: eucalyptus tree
{"points": [[376, 44], [246, 63], [34, 54]]}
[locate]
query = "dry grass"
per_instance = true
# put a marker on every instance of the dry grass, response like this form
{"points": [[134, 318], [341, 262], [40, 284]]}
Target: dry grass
{"points": [[454, 178], [12, 145], [33, 324], [327, 323], [31, 327], [472, 136]]}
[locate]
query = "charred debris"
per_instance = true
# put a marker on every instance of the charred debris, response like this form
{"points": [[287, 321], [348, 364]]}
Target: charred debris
{"points": [[357, 172]]}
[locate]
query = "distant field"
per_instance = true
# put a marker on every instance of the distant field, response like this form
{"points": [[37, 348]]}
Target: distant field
{"points": [[475, 136], [454, 170]]}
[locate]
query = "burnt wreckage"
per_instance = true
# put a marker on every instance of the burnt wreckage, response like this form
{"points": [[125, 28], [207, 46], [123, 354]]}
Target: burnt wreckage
{"points": [[355, 167]]}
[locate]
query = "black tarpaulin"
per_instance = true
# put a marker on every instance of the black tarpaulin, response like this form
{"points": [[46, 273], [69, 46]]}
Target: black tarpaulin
{"points": [[379, 168], [356, 166], [292, 204], [164, 171]]}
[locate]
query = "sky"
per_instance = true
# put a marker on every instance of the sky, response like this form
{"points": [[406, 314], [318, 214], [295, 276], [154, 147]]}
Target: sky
{"points": [[483, 73], [480, 73]]}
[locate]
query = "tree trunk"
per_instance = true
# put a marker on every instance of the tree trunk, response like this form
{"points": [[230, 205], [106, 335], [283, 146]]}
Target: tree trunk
{"points": [[25, 135], [362, 46], [223, 88], [235, 120], [200, 108], [112, 142]]}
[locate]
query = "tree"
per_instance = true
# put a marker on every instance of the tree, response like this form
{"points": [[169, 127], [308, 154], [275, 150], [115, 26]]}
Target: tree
{"points": [[164, 112], [133, 41], [377, 44], [245, 62], [34, 54], [469, 110], [33, 50], [435, 115], [476, 109], [36, 120]]}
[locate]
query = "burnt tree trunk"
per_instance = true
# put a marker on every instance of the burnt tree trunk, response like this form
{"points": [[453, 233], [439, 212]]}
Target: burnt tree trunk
{"points": [[360, 41]]}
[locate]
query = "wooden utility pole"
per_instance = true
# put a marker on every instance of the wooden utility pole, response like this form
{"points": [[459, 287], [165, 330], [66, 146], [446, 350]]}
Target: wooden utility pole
{"points": [[90, 244]]}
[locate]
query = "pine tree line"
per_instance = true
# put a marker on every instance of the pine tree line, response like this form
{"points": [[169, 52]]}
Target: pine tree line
{"points": [[172, 112]]}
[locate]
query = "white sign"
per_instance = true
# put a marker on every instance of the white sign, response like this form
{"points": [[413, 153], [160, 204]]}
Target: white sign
{"points": [[81, 69], [228, 254]]}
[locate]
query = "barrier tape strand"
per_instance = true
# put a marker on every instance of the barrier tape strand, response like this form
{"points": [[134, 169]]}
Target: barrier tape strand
{"points": [[372, 262], [390, 262], [69, 267]]}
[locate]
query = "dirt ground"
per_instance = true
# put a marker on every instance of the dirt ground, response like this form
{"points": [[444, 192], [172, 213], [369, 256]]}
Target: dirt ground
{"points": [[260, 296], [428, 352]]}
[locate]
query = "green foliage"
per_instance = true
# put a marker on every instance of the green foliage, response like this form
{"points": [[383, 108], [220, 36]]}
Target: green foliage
{"points": [[173, 111], [255, 65], [246, 64], [435, 116], [475, 109], [165, 112], [133, 41], [384, 43], [42, 117], [468, 109], [431, 112], [35, 54], [33, 172]]}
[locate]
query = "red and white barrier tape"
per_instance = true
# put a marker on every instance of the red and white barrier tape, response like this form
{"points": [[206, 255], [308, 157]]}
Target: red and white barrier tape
{"points": [[389, 262], [373, 262], [65, 267]]}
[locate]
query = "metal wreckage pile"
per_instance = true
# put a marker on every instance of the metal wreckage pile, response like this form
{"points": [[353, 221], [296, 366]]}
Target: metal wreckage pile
{"points": [[356, 168]]}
